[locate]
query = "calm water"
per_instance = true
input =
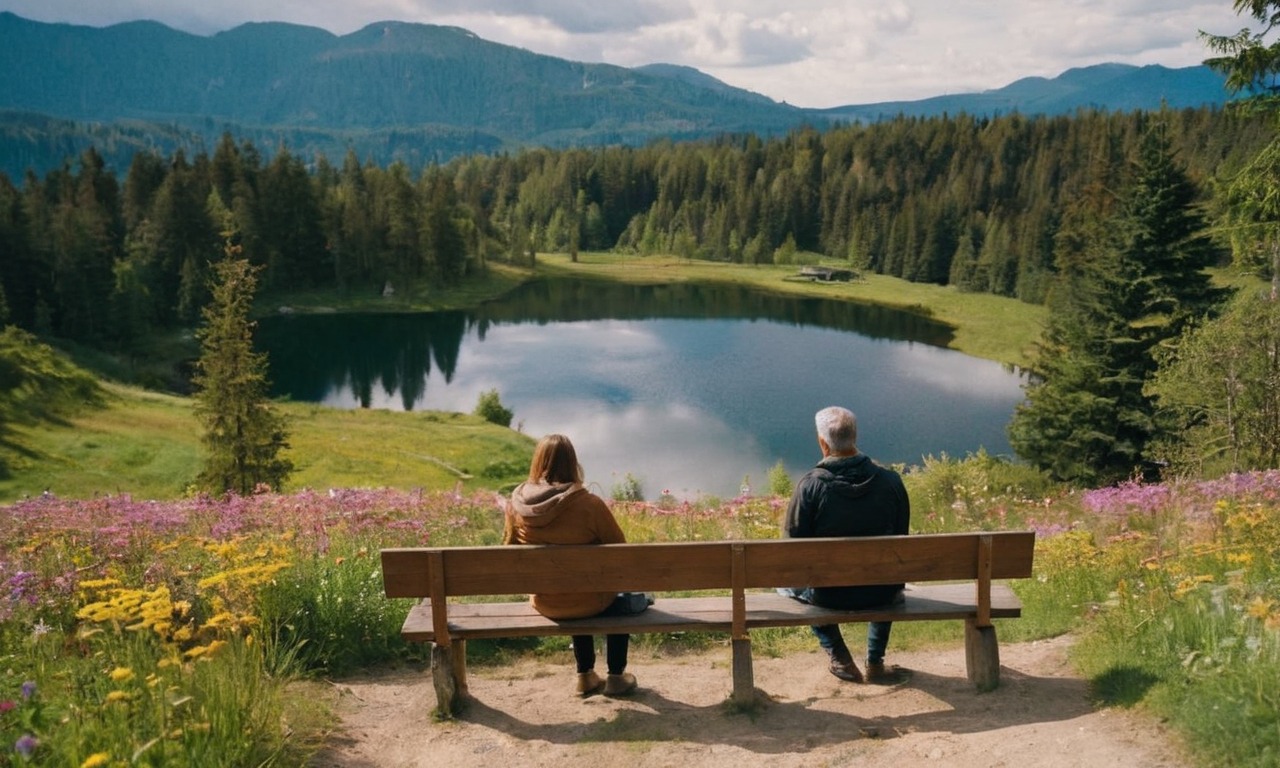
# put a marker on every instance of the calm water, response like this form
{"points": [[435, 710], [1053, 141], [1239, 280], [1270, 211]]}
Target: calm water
{"points": [[688, 388]]}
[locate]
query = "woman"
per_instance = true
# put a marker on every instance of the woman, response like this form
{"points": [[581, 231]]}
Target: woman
{"points": [[553, 507]]}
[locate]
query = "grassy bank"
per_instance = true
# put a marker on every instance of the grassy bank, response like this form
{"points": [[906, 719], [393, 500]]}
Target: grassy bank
{"points": [[986, 326], [147, 445]]}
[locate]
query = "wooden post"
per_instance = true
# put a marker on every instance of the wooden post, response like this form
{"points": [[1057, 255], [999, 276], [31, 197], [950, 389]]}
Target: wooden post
{"points": [[460, 666], [442, 680], [445, 662], [981, 655], [744, 687], [984, 580]]}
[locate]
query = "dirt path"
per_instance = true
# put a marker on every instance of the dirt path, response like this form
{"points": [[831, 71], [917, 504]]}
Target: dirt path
{"points": [[527, 715]]}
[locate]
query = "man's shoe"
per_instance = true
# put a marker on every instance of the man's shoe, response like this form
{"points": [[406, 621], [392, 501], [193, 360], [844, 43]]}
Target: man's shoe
{"points": [[619, 685], [879, 674], [846, 670], [588, 683]]}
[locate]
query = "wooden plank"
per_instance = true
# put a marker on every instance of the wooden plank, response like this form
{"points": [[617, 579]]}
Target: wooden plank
{"points": [[985, 545], [440, 616], [738, 579], [884, 559], [705, 614], [404, 573], [665, 567]]}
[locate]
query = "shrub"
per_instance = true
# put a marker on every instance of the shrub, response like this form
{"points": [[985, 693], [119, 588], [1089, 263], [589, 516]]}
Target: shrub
{"points": [[779, 480], [490, 408], [627, 489]]}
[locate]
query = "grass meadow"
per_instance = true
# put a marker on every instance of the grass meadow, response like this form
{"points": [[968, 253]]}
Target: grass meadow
{"points": [[141, 624], [185, 632]]}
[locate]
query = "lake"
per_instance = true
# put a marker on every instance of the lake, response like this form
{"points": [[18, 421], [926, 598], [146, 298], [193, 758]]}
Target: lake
{"points": [[690, 389]]}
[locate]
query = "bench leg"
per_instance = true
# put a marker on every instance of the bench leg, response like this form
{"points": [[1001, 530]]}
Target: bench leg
{"points": [[460, 666], [982, 656], [442, 678], [744, 687]]}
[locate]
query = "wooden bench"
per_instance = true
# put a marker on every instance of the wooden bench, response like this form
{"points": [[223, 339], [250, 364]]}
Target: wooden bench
{"points": [[974, 559]]}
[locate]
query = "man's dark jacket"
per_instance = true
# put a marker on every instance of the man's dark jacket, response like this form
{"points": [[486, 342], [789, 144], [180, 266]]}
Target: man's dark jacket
{"points": [[849, 496]]}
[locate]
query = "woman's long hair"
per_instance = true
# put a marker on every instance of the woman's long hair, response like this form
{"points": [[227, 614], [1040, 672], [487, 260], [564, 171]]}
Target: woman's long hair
{"points": [[555, 461]]}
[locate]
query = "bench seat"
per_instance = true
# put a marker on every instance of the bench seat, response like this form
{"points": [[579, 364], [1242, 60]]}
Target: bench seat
{"points": [[703, 614]]}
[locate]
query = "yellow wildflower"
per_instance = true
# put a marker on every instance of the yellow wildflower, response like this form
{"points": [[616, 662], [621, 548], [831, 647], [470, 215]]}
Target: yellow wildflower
{"points": [[95, 760], [1260, 608], [1188, 584], [221, 620], [98, 583], [121, 674], [115, 696], [205, 650]]}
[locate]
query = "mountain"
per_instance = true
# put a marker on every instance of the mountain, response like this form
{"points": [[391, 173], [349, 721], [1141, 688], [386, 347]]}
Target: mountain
{"points": [[424, 93], [386, 75], [1107, 87]]}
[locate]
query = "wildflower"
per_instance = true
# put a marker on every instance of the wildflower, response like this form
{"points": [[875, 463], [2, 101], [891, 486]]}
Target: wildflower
{"points": [[98, 583], [39, 629], [1260, 608], [115, 696], [121, 674], [7, 705], [204, 650], [95, 760], [26, 745], [28, 689]]}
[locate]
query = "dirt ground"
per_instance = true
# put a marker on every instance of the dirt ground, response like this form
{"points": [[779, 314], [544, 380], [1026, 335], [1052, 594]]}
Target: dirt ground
{"points": [[527, 715]]}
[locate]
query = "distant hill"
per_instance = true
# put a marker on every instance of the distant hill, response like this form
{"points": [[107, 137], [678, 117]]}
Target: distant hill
{"points": [[1106, 87], [424, 93]]}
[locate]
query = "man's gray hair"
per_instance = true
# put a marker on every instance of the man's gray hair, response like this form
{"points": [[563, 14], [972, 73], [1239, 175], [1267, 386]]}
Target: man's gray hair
{"points": [[838, 428]]}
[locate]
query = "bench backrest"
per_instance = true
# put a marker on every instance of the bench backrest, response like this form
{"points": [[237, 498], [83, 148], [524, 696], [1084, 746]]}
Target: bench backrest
{"points": [[440, 573], [657, 567]]}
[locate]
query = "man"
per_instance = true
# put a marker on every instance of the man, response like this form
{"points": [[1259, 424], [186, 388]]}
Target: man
{"points": [[847, 494]]}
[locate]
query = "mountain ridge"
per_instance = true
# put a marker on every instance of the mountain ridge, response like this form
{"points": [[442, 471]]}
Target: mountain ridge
{"points": [[393, 82]]}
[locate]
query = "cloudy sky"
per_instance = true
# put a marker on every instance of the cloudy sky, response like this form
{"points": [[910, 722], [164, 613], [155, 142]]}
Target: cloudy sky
{"points": [[811, 53]]}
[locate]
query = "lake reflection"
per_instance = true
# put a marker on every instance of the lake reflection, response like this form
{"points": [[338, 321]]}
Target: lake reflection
{"points": [[687, 393]]}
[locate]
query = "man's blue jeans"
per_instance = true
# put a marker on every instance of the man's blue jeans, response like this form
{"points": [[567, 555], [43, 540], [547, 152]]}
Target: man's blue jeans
{"points": [[832, 641]]}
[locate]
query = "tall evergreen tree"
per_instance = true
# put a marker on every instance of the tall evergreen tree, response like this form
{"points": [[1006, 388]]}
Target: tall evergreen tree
{"points": [[243, 434], [1084, 418], [1168, 241], [1131, 279]]}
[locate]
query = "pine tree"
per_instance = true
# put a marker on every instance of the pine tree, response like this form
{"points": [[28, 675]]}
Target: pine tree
{"points": [[243, 434], [1131, 279], [1167, 242]]}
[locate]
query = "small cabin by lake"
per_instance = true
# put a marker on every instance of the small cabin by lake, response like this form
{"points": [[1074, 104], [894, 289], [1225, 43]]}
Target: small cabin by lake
{"points": [[827, 274]]}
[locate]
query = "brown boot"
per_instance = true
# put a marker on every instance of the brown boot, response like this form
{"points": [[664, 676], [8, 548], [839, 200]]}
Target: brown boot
{"points": [[620, 685], [588, 683], [845, 670], [879, 674]]}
